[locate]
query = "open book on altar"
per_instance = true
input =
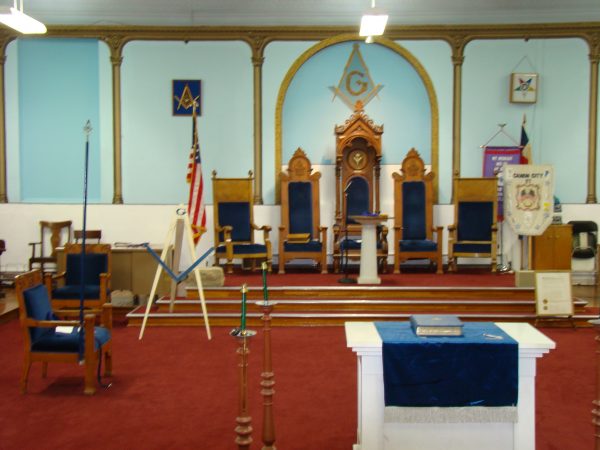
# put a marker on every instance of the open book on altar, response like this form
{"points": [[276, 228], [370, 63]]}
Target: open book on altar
{"points": [[436, 325]]}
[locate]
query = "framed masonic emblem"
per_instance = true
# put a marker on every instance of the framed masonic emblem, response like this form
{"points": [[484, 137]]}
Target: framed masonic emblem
{"points": [[523, 87]]}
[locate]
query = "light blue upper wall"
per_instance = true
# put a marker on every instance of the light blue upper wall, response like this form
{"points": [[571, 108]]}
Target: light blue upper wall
{"points": [[310, 113], [58, 93], [557, 124], [435, 57], [156, 144], [279, 57]]}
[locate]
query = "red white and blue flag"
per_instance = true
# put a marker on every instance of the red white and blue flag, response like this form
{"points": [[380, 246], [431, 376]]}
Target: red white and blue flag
{"points": [[196, 210]]}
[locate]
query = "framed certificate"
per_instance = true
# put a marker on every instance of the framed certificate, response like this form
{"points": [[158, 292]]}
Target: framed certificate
{"points": [[553, 296], [523, 87]]}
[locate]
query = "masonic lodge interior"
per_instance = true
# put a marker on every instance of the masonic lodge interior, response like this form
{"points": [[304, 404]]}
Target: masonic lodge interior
{"points": [[297, 153]]}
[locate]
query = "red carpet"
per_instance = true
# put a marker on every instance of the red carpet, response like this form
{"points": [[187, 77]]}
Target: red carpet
{"points": [[465, 277], [177, 390]]}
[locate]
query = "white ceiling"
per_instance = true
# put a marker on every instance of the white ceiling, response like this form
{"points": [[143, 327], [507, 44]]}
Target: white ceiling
{"points": [[305, 12]]}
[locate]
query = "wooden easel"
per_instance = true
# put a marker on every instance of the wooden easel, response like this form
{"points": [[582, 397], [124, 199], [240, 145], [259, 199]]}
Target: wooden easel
{"points": [[179, 225]]}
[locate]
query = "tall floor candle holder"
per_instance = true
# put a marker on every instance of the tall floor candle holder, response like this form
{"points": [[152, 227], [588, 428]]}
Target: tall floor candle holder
{"points": [[267, 376], [243, 428]]}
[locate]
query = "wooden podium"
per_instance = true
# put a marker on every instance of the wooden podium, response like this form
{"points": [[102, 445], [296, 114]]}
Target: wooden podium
{"points": [[368, 247]]}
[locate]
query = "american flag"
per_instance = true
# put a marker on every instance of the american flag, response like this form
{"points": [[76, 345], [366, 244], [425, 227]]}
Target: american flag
{"points": [[194, 178]]}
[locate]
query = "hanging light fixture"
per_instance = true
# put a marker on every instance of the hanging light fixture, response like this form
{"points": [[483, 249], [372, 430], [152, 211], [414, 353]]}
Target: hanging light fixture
{"points": [[16, 19], [373, 23]]}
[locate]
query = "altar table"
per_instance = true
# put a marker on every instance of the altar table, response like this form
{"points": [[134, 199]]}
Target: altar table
{"points": [[374, 432]]}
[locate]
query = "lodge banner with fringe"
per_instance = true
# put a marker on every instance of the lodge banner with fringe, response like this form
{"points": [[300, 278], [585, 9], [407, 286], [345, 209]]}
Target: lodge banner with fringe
{"points": [[528, 197]]}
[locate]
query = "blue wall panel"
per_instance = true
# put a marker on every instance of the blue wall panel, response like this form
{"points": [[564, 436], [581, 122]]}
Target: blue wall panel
{"points": [[58, 93]]}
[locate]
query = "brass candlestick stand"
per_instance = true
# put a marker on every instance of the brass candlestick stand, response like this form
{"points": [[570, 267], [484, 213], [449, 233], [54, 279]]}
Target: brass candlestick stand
{"points": [[596, 402], [267, 375]]}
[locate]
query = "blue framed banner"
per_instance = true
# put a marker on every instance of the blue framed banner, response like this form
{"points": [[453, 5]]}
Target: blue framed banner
{"points": [[185, 93]]}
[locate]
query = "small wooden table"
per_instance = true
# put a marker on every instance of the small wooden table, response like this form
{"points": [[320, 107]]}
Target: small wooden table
{"points": [[368, 248]]}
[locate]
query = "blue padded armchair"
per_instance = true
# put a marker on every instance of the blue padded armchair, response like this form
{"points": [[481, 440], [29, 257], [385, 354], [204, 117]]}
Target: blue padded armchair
{"points": [[300, 235], [65, 286], [413, 214], [45, 343], [233, 203], [473, 234]]}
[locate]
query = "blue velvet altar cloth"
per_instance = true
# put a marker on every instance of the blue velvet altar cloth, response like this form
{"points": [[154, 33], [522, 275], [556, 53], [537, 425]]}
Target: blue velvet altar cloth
{"points": [[469, 370]]}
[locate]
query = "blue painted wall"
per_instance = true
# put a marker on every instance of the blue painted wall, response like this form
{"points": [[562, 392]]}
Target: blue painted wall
{"points": [[54, 85], [311, 113], [58, 93], [156, 144]]}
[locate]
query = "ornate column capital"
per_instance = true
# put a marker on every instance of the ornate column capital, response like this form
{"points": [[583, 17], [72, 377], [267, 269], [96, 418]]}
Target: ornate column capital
{"points": [[115, 43], [458, 42]]}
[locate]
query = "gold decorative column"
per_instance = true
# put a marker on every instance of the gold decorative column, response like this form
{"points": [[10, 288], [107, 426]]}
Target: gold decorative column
{"points": [[257, 43], [594, 44], [116, 44], [457, 43], [4, 40]]}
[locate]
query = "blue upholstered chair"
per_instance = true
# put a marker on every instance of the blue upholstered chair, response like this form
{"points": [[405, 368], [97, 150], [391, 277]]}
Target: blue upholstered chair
{"points": [[45, 342], [413, 214], [65, 286], [300, 235], [233, 203], [473, 234]]}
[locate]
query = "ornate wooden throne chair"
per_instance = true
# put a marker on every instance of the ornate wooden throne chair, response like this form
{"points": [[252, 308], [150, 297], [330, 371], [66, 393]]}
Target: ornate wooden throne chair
{"points": [[300, 233], [473, 234], [357, 171], [413, 214], [233, 203]]}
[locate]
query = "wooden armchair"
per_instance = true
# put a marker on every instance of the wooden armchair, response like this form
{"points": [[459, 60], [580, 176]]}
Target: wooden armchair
{"points": [[300, 235], [44, 342], [413, 214], [233, 203], [473, 234], [57, 233], [65, 287], [358, 167]]}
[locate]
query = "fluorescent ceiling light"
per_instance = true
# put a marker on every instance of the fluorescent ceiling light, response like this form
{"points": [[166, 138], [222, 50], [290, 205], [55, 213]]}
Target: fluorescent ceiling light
{"points": [[373, 23], [16, 19]]}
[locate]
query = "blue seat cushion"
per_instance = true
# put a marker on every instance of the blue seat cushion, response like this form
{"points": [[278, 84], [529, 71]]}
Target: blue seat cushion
{"points": [[71, 291], [475, 221], [68, 342], [413, 211], [239, 249], [237, 216], [312, 246], [418, 246], [37, 306], [300, 207], [472, 248], [95, 264]]}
